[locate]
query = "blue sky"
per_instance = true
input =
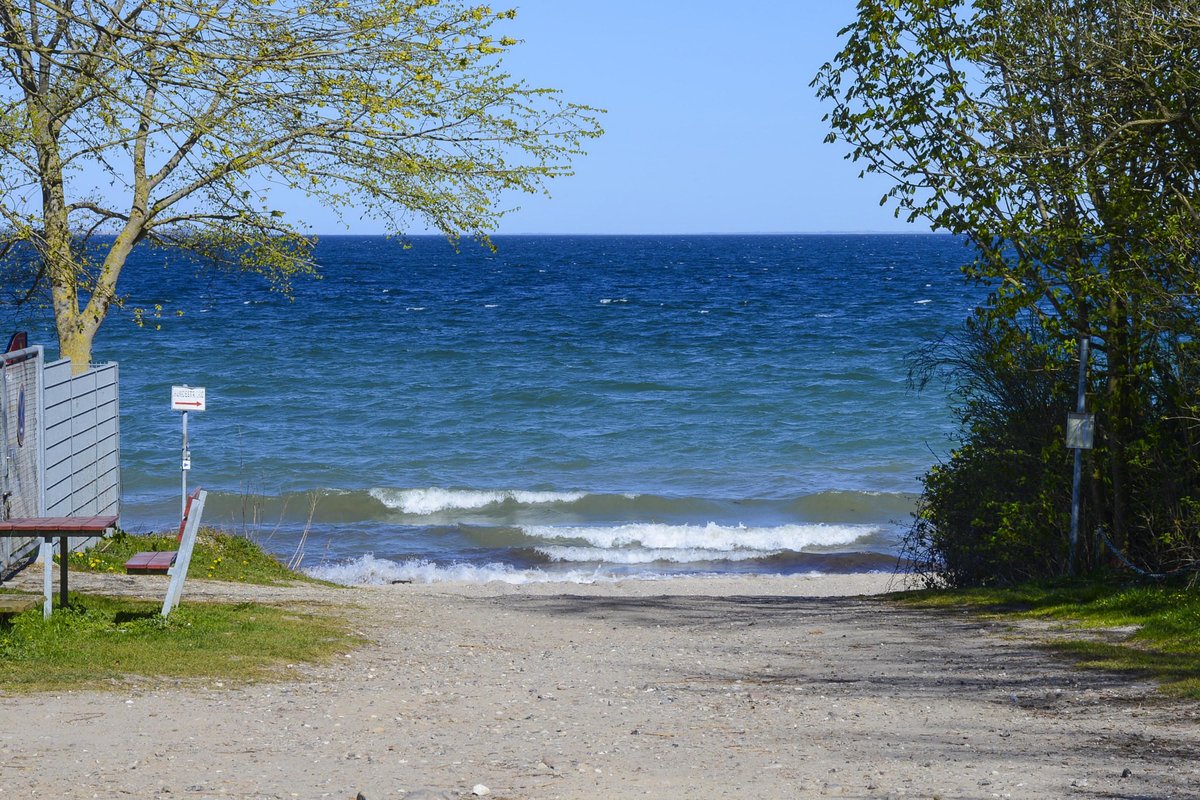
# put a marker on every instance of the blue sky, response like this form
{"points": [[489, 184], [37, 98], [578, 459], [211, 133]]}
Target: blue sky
{"points": [[711, 124]]}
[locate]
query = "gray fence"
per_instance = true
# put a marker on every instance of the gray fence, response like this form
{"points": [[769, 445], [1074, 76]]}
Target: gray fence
{"points": [[82, 441], [62, 437]]}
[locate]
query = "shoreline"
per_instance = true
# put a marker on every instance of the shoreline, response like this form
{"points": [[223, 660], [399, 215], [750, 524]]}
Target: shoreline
{"points": [[804, 585], [369, 570], [811, 585], [746, 687]]}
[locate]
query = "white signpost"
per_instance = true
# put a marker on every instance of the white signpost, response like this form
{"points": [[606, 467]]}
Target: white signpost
{"points": [[185, 399]]}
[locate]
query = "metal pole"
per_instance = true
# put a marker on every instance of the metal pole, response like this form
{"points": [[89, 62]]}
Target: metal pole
{"points": [[64, 550], [185, 465], [1080, 407], [4, 438]]}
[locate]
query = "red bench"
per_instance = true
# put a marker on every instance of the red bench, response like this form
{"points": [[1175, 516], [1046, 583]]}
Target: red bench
{"points": [[158, 562], [155, 562]]}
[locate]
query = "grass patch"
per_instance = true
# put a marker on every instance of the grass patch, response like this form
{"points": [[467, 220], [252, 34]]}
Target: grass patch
{"points": [[1165, 645], [105, 642], [217, 556]]}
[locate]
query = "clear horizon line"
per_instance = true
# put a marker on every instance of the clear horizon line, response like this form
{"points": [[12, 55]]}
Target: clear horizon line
{"points": [[662, 233]]}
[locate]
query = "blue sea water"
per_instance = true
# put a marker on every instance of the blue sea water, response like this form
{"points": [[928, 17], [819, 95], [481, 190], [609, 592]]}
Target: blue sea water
{"points": [[567, 407]]}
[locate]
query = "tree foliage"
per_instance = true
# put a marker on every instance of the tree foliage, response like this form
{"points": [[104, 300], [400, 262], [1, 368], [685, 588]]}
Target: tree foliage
{"points": [[999, 509], [169, 122], [1061, 140]]}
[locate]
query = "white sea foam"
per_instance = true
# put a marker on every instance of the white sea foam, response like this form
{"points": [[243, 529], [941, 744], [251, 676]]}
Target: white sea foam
{"points": [[647, 555], [923, 302], [433, 500], [608, 301], [371, 570], [711, 537]]}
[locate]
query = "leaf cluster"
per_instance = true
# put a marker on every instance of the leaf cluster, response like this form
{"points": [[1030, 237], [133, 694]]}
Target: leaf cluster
{"points": [[1061, 140], [169, 121]]}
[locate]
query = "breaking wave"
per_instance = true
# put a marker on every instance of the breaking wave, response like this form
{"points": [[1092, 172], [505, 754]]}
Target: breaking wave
{"points": [[434, 500], [711, 537], [370, 570]]}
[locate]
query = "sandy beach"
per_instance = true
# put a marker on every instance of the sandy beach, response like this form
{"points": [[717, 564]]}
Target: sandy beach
{"points": [[747, 687]]}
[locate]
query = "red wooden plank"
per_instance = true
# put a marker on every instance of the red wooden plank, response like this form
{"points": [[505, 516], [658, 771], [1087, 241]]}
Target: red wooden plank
{"points": [[56, 525], [146, 570], [150, 561]]}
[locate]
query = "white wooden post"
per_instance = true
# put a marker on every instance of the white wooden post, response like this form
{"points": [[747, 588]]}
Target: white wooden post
{"points": [[183, 558]]}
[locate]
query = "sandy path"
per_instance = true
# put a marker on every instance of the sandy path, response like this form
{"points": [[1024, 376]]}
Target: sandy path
{"points": [[747, 688]]}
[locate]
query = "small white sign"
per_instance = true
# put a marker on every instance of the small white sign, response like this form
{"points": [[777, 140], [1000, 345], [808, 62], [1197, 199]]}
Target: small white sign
{"points": [[187, 398], [1081, 429]]}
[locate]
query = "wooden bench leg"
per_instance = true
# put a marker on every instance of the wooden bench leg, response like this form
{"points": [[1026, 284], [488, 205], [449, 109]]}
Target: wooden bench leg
{"points": [[63, 548]]}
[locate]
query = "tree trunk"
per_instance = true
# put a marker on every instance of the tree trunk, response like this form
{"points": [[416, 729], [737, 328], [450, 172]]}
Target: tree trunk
{"points": [[77, 347], [77, 326], [74, 333]]}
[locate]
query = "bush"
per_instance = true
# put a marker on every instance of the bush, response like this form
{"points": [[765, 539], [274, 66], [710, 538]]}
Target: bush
{"points": [[998, 511]]}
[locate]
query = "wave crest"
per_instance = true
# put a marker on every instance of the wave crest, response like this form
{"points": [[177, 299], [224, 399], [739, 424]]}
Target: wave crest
{"points": [[424, 502], [711, 537], [370, 570], [647, 555]]}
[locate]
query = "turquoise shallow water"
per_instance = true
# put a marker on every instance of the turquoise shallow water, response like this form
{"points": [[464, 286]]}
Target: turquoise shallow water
{"points": [[568, 406]]}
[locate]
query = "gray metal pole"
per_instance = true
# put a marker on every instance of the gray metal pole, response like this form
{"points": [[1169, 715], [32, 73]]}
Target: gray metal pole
{"points": [[185, 458], [4, 438], [1080, 407]]}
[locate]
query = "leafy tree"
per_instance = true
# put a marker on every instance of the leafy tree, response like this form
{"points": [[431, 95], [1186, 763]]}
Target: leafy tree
{"points": [[1061, 140], [166, 121]]}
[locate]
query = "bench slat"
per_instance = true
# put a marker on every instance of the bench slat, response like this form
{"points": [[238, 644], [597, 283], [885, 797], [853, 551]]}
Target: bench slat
{"points": [[151, 561], [58, 525]]}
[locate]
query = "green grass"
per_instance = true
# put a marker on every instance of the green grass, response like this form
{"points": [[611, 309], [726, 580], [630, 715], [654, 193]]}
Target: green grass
{"points": [[219, 556], [104, 642], [99, 642], [1164, 647]]}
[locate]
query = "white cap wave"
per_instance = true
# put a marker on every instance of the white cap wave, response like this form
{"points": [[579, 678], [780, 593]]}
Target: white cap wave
{"points": [[434, 500], [368, 569], [710, 538], [645, 555]]}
